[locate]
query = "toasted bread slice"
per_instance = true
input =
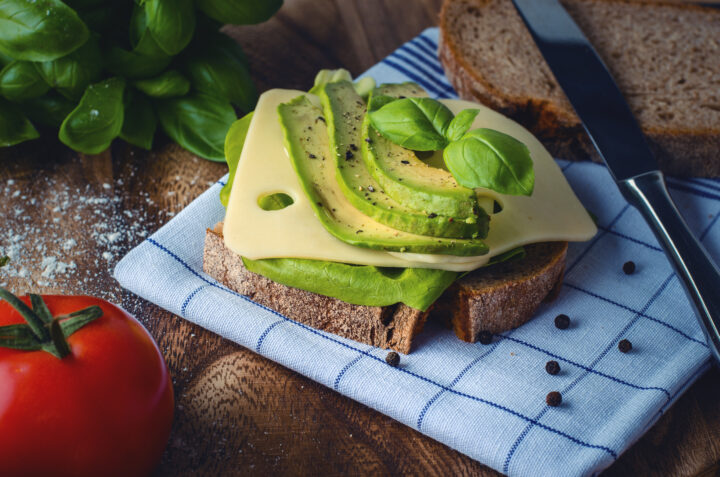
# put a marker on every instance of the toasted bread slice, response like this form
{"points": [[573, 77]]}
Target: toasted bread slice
{"points": [[663, 57], [495, 298]]}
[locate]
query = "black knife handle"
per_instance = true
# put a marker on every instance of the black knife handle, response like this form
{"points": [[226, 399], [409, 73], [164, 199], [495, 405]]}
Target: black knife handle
{"points": [[697, 271]]}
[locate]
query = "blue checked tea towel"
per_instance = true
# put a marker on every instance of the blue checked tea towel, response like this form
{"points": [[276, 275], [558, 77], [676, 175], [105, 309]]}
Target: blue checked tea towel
{"points": [[487, 401]]}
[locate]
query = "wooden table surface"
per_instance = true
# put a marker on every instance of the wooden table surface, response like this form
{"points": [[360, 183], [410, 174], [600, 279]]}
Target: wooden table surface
{"points": [[68, 218]]}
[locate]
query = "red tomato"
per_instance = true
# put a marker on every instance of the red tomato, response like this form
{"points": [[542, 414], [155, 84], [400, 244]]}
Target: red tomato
{"points": [[103, 410]]}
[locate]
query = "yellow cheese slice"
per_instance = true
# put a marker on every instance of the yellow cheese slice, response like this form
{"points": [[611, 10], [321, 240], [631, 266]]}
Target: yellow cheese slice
{"points": [[552, 213]]}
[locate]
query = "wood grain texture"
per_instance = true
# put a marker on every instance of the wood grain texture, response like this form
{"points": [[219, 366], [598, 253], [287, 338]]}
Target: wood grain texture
{"points": [[238, 413]]}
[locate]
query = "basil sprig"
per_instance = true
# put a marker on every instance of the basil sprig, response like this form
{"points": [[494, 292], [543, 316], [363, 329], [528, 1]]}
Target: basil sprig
{"points": [[479, 158]]}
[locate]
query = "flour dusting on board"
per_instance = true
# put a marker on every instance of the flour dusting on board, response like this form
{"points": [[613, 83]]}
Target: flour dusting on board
{"points": [[86, 231]]}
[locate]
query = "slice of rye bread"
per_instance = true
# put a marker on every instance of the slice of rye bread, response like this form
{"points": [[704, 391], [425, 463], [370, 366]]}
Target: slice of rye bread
{"points": [[496, 298], [663, 56]]}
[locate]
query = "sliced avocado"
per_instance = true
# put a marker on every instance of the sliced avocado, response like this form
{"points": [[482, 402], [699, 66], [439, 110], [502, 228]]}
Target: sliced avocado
{"points": [[409, 180], [307, 143], [345, 110]]}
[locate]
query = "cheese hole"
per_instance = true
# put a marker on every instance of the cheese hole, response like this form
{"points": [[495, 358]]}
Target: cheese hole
{"points": [[274, 201], [497, 207]]}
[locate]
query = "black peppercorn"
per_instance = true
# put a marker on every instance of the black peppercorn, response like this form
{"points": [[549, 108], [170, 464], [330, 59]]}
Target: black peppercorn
{"points": [[629, 267], [553, 399], [552, 367], [624, 346], [485, 337], [562, 322], [393, 359]]}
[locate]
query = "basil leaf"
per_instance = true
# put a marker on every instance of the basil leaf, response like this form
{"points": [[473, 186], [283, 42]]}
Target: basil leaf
{"points": [[97, 119], [234, 142], [198, 123], [171, 23], [141, 38], [216, 71], [20, 81], [132, 64], [167, 85], [413, 123], [360, 285], [140, 121], [49, 110], [460, 124], [239, 12], [14, 127], [491, 159], [71, 74], [41, 30]]}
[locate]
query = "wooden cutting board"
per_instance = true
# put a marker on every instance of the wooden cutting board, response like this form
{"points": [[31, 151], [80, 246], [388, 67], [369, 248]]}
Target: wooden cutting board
{"points": [[238, 413]]}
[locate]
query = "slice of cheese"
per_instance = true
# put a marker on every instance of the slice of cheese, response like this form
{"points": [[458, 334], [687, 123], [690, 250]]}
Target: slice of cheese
{"points": [[552, 213]]}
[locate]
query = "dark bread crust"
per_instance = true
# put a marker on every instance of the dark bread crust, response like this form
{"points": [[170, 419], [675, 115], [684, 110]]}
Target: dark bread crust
{"points": [[503, 296], [681, 151], [510, 293]]}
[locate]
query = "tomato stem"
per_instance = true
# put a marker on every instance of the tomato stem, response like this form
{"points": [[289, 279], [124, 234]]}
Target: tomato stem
{"points": [[42, 331]]}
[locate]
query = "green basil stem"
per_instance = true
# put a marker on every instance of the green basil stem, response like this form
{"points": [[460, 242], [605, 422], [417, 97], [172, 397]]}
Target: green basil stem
{"points": [[42, 331]]}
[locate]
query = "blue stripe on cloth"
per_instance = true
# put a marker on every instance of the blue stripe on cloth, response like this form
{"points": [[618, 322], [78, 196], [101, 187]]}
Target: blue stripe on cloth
{"points": [[703, 183], [631, 239], [457, 379], [264, 334], [487, 402], [596, 239], [346, 368], [673, 184], [710, 226], [604, 353], [418, 79], [588, 369], [429, 53], [627, 308], [422, 67], [185, 304], [430, 63]]}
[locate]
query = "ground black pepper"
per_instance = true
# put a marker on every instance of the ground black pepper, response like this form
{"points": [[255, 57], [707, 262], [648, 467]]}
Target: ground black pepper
{"points": [[562, 322], [371, 188], [553, 399], [353, 147], [432, 215], [312, 156], [552, 367], [393, 359], [405, 162], [348, 155], [485, 337], [624, 346], [629, 267]]}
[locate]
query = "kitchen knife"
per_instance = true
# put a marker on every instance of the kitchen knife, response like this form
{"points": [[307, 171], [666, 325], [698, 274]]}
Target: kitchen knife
{"points": [[616, 135]]}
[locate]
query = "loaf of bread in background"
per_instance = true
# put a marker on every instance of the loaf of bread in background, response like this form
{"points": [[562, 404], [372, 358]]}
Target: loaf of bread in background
{"points": [[496, 298], [665, 57]]}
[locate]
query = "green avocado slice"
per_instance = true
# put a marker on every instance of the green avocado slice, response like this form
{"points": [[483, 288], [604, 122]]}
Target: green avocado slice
{"points": [[408, 179], [307, 143], [345, 110]]}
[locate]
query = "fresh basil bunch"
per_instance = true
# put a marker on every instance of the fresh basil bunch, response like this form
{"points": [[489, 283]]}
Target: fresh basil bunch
{"points": [[478, 158], [96, 70]]}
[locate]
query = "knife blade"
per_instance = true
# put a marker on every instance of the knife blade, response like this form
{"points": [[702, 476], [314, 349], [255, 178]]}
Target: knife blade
{"points": [[616, 135]]}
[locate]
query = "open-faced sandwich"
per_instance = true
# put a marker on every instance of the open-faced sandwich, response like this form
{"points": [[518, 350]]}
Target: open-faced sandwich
{"points": [[358, 209]]}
